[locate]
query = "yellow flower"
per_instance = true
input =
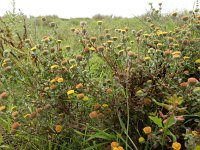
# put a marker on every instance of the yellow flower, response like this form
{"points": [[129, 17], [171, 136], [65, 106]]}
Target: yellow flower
{"points": [[147, 130], [174, 14], [141, 140], [159, 44], [197, 147], [165, 33], [2, 108], [109, 42], [176, 146], [92, 49], [197, 61], [175, 45], [176, 56], [147, 58], [114, 144], [176, 53], [58, 128], [186, 57], [54, 66], [59, 41], [139, 93], [59, 80], [199, 68], [85, 98], [120, 148], [195, 133], [146, 35], [53, 80], [33, 48], [159, 32], [186, 72], [105, 105], [99, 22], [70, 92]]}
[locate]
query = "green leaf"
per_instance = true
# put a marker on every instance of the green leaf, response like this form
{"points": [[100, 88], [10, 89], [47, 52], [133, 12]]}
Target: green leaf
{"points": [[102, 135], [157, 121], [170, 121], [171, 134]]}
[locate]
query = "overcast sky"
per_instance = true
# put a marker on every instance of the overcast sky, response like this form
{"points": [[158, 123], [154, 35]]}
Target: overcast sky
{"points": [[88, 8]]}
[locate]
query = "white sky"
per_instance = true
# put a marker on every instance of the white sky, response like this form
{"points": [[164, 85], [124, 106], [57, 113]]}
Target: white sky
{"points": [[88, 8]]}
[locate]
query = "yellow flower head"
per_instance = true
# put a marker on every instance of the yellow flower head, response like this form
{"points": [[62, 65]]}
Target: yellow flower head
{"points": [[85, 98], [114, 144], [195, 133], [59, 80], [186, 57], [2, 108], [120, 148], [33, 48], [54, 66], [176, 146], [59, 41], [197, 61], [92, 49], [109, 42], [58, 128], [146, 35], [164, 33], [147, 130], [99, 22], [197, 147], [147, 58], [174, 14], [176, 45], [159, 45], [141, 140], [159, 32], [53, 80], [70, 92], [105, 105]]}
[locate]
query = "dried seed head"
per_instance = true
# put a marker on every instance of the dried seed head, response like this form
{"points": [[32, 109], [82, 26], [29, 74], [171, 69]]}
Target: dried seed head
{"points": [[15, 125], [93, 39], [39, 109], [100, 48], [33, 115], [79, 57], [3, 95], [14, 114], [192, 81], [93, 114], [100, 115], [47, 106]]}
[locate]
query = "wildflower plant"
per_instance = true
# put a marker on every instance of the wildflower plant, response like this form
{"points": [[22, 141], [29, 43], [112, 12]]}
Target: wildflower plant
{"points": [[104, 86]]}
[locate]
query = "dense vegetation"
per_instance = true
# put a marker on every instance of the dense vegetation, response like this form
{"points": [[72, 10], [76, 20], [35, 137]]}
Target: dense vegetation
{"points": [[101, 83]]}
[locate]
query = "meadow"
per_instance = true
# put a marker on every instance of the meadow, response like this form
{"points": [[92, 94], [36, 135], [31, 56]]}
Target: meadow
{"points": [[101, 83]]}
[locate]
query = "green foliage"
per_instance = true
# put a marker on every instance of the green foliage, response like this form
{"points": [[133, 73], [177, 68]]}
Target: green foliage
{"points": [[98, 84]]}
